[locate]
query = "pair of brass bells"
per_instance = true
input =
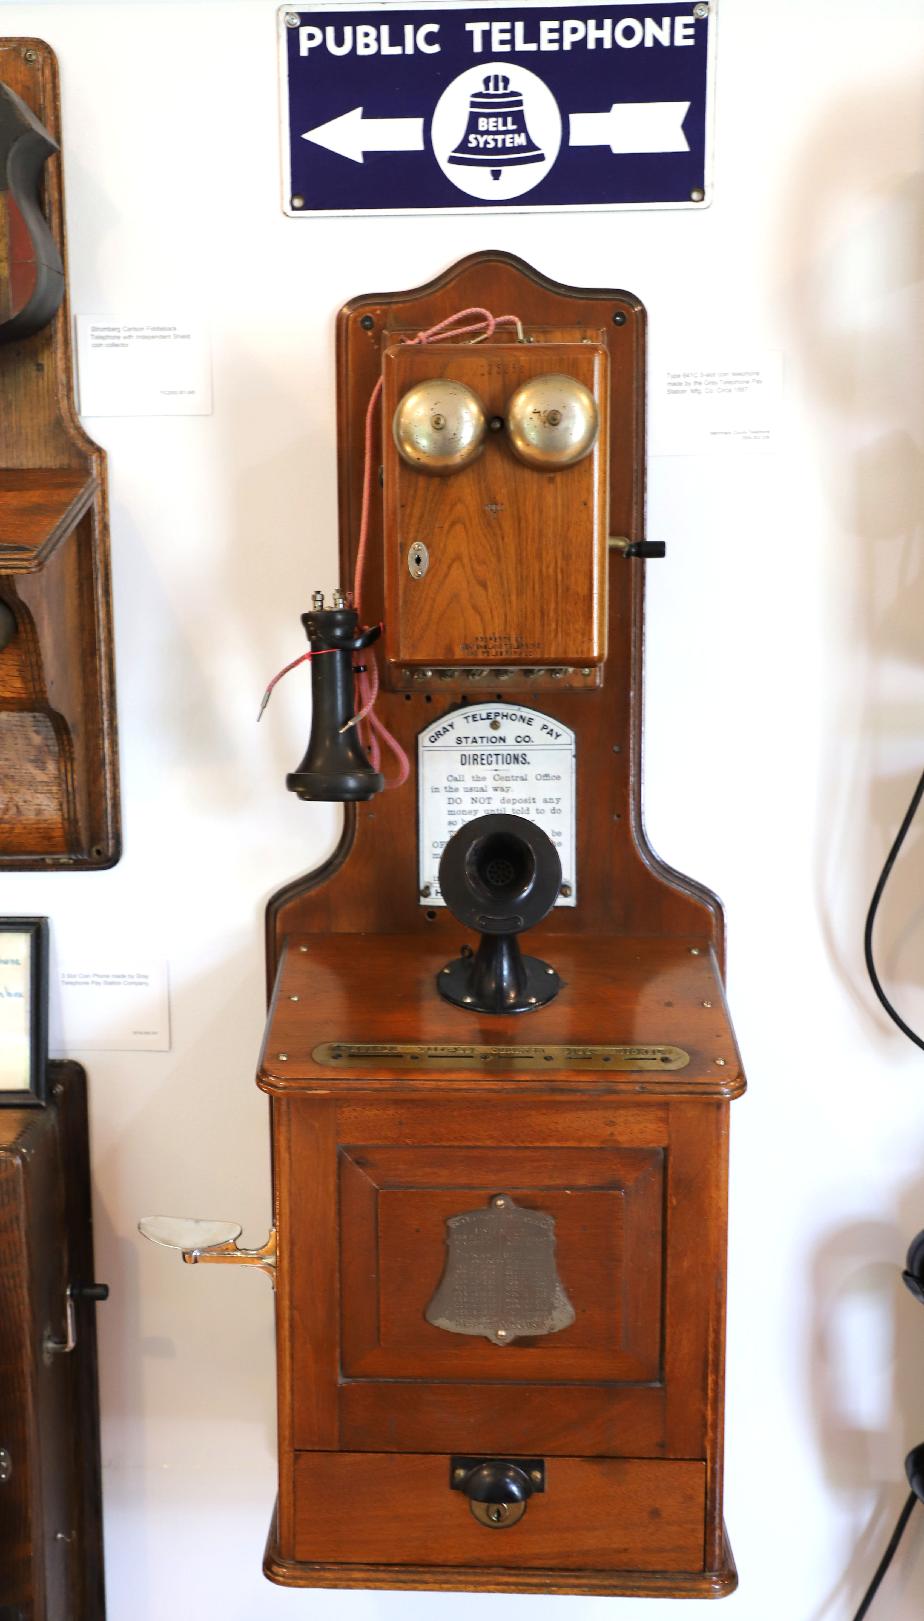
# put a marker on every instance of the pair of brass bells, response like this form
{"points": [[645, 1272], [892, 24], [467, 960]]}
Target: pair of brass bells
{"points": [[441, 425]]}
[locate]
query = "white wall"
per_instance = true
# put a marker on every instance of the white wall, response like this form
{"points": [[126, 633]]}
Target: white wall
{"points": [[785, 729]]}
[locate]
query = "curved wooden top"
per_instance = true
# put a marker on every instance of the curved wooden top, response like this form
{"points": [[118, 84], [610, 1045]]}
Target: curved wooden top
{"points": [[369, 885]]}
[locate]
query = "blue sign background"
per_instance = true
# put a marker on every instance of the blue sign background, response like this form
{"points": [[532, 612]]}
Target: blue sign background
{"points": [[323, 86]]}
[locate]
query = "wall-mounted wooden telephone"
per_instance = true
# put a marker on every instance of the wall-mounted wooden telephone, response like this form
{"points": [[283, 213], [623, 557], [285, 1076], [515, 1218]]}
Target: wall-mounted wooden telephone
{"points": [[500, 1173], [59, 787]]}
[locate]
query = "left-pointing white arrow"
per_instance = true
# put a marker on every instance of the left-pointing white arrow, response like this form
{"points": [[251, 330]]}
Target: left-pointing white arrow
{"points": [[351, 135], [634, 126]]}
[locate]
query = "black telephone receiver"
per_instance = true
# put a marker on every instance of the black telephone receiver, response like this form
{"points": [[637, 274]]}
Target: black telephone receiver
{"points": [[913, 1277]]}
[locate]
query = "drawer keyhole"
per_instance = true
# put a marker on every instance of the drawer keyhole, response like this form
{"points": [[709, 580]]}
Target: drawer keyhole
{"points": [[498, 1489], [418, 560]]}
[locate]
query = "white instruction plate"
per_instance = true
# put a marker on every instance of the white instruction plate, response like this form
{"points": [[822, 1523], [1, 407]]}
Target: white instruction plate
{"points": [[485, 758]]}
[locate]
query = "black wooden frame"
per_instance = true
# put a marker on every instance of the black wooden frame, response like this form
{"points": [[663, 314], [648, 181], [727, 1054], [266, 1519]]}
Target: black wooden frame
{"points": [[36, 1093]]}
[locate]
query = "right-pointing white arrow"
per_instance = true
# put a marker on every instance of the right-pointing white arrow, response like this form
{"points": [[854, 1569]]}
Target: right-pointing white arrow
{"points": [[351, 135], [634, 126]]}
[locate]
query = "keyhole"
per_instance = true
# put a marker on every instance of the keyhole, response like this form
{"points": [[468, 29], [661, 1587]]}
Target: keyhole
{"points": [[418, 560], [498, 1512]]}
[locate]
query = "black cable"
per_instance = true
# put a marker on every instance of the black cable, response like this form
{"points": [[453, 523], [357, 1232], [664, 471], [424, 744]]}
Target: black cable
{"points": [[874, 907], [886, 1559]]}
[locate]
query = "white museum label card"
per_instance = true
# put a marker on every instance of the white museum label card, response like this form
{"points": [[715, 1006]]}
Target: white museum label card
{"points": [[486, 758], [15, 1008], [106, 1006], [703, 404], [143, 368]]}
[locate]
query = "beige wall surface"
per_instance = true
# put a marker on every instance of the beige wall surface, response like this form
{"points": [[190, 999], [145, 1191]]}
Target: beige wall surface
{"points": [[785, 664]]}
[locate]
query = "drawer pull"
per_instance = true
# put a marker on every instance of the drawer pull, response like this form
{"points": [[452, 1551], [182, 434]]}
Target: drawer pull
{"points": [[498, 1489]]}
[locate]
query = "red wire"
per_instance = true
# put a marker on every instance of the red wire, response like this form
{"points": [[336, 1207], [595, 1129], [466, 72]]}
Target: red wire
{"points": [[368, 682], [372, 728], [285, 670]]}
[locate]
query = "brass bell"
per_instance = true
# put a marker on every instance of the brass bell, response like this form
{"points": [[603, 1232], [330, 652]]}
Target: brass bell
{"points": [[439, 426], [552, 421]]}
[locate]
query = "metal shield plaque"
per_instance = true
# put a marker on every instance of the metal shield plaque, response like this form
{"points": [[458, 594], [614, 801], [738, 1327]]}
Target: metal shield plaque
{"points": [[500, 1278]]}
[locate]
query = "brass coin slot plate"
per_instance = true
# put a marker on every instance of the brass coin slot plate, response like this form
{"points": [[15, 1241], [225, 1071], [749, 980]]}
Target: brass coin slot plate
{"points": [[537, 1058]]}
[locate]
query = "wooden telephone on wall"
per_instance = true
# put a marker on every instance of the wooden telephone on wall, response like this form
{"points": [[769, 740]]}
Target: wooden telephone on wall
{"points": [[499, 1178], [59, 785]]}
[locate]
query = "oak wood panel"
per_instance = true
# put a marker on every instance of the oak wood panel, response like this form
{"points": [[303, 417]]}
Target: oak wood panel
{"points": [[23, 1576], [309, 1224], [623, 1123], [714, 1582], [618, 1421], [54, 566], [633, 1514], [341, 989], [696, 1218], [517, 572], [38, 508], [36, 783], [625, 887], [716, 1146], [50, 1528], [285, 1309], [394, 1203]]}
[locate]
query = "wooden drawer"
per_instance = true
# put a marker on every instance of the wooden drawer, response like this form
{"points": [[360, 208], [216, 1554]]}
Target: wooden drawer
{"points": [[595, 1513]]}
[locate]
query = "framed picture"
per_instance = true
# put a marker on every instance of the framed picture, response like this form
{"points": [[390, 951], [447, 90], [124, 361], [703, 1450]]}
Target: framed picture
{"points": [[23, 1010]]}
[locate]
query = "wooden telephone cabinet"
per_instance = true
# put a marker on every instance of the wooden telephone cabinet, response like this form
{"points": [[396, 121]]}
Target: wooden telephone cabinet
{"points": [[381, 1134], [499, 1239]]}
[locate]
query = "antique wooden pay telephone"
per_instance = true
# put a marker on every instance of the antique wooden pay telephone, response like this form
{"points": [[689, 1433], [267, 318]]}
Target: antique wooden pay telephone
{"points": [[499, 1173]]}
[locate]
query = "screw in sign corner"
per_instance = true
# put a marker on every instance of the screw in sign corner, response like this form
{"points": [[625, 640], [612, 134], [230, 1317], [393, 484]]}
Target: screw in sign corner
{"points": [[427, 108]]}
